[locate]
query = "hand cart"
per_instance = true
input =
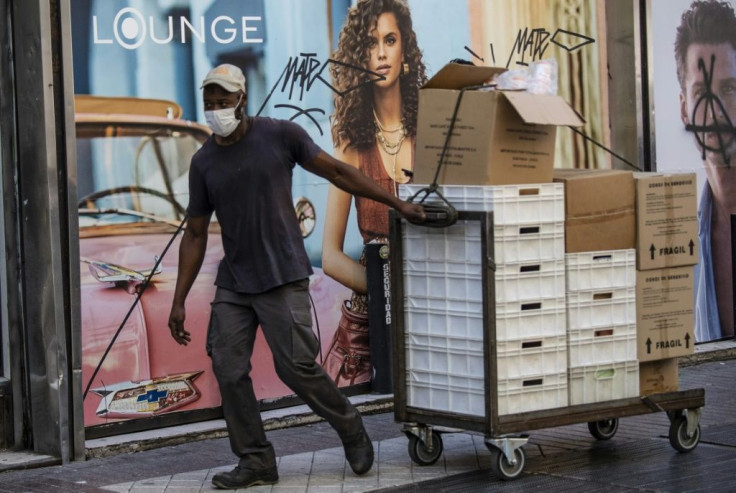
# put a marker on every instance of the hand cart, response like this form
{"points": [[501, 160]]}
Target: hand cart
{"points": [[424, 424]]}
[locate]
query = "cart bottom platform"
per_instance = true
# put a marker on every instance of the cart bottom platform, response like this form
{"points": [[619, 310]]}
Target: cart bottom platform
{"points": [[683, 409]]}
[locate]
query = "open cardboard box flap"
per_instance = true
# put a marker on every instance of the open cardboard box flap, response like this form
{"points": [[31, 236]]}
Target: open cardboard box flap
{"points": [[458, 76], [543, 109], [533, 108]]}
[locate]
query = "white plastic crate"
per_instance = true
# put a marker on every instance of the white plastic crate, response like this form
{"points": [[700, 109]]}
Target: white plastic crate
{"points": [[444, 322], [534, 393], [532, 318], [451, 342], [446, 267], [601, 270], [522, 358], [511, 204], [420, 303], [602, 345], [601, 383], [437, 392], [514, 282], [447, 286], [521, 281], [460, 243], [525, 242], [603, 308], [448, 355]]}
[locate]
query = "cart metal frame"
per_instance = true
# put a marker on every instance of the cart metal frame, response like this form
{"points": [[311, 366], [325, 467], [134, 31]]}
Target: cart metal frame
{"points": [[503, 433]]}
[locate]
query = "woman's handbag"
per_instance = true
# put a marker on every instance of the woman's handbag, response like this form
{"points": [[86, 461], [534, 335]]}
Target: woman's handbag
{"points": [[348, 359]]}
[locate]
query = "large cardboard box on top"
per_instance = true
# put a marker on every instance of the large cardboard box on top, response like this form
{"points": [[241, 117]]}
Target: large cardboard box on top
{"points": [[664, 313], [666, 220], [499, 137], [599, 209]]}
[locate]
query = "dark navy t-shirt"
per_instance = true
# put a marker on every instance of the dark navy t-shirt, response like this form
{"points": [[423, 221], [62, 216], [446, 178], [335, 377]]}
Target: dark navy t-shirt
{"points": [[248, 186]]}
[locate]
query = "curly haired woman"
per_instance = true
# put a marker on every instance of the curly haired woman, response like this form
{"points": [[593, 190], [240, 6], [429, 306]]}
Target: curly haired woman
{"points": [[374, 126]]}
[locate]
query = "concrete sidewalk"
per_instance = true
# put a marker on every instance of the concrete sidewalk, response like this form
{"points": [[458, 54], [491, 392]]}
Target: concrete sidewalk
{"points": [[183, 459]]}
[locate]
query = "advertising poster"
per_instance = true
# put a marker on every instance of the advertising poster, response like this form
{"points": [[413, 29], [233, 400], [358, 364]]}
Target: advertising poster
{"points": [[349, 73], [693, 61]]}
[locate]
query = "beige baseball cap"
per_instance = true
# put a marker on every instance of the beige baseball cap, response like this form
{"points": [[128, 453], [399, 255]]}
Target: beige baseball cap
{"points": [[227, 76]]}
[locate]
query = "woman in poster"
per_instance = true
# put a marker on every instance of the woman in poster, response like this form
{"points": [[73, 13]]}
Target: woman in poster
{"points": [[373, 129]]}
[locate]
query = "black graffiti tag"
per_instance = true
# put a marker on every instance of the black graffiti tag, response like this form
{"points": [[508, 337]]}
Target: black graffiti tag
{"points": [[533, 43], [300, 74], [713, 106]]}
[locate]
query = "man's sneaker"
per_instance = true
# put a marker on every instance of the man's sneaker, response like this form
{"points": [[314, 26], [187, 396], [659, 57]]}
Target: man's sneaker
{"points": [[359, 453], [244, 478]]}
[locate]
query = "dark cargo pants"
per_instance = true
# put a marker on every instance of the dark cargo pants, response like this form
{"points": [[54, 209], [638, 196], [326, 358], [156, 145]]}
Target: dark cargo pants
{"points": [[284, 315]]}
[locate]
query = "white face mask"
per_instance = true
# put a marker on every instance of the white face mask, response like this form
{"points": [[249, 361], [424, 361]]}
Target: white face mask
{"points": [[223, 122]]}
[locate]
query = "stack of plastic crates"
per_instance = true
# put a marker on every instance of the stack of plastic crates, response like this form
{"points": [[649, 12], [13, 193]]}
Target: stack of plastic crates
{"points": [[444, 307], [601, 308], [444, 318]]}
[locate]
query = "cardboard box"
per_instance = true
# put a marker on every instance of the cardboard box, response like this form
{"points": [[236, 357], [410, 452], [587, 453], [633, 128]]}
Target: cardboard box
{"points": [[664, 313], [599, 209], [499, 137], [666, 220], [660, 376]]}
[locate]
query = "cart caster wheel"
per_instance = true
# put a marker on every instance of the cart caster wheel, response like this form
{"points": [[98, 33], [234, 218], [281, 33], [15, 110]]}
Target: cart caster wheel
{"points": [[604, 429], [679, 439], [422, 455], [501, 466]]}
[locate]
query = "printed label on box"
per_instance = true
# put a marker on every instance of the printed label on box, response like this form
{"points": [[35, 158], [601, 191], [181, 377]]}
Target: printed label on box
{"points": [[664, 306], [666, 220]]}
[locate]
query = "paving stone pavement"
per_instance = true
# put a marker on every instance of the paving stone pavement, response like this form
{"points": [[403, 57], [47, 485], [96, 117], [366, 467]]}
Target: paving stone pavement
{"points": [[638, 458], [326, 470]]}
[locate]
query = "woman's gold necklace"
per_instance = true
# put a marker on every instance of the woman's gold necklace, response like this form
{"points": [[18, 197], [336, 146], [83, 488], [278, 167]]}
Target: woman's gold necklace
{"points": [[391, 148]]}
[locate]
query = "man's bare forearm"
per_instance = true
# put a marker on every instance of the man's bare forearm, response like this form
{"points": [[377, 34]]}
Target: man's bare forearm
{"points": [[191, 256], [355, 182], [350, 179]]}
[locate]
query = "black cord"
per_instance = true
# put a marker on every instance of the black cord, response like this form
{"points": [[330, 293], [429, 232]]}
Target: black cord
{"points": [[443, 214], [142, 289], [630, 164], [433, 186]]}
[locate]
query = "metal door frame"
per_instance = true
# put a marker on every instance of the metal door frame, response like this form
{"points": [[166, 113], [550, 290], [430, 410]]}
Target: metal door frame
{"points": [[40, 285]]}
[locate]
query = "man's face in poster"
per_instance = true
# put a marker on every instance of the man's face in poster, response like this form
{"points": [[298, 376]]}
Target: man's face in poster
{"points": [[708, 104]]}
